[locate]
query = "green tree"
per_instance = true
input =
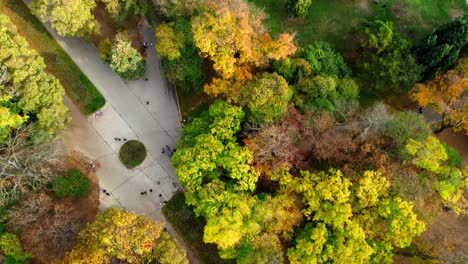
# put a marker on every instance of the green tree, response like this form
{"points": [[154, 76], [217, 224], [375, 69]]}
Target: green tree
{"points": [[181, 58], [68, 17], [30, 90], [105, 49], [9, 117], [170, 42], [266, 98], [389, 60], [427, 154], [439, 51], [169, 251], [452, 188], [126, 61], [74, 184], [122, 9], [325, 60], [214, 153], [404, 126], [299, 7]]}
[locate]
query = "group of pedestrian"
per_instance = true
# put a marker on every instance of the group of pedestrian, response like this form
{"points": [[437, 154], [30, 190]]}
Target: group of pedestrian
{"points": [[105, 192], [120, 139], [163, 203], [145, 44], [167, 150], [145, 192]]}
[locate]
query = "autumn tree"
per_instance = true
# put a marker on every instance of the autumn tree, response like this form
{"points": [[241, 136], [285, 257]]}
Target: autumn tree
{"points": [[122, 235], [266, 98], [427, 154], [68, 17], [126, 61], [29, 93], [220, 182], [275, 146], [231, 35], [446, 95], [439, 51]]}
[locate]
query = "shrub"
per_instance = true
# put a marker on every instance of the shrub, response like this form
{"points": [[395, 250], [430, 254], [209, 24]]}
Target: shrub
{"points": [[454, 158], [105, 48], [11, 247], [74, 184], [300, 8]]}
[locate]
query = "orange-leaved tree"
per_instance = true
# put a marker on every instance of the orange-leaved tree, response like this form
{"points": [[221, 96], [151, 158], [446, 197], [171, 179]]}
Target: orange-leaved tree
{"points": [[230, 33], [447, 95]]}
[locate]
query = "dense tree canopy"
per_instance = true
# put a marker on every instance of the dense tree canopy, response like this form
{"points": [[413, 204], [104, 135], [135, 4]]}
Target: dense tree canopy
{"points": [[388, 61], [347, 220], [28, 92], [68, 17], [245, 42]]}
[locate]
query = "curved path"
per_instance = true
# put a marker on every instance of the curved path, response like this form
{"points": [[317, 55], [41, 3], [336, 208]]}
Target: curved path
{"points": [[145, 110]]}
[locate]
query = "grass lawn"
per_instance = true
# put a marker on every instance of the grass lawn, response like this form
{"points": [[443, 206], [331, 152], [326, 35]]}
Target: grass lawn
{"points": [[191, 228], [337, 21], [77, 86]]}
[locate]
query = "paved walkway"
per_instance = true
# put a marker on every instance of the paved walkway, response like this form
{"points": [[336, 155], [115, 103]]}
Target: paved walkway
{"points": [[144, 110]]}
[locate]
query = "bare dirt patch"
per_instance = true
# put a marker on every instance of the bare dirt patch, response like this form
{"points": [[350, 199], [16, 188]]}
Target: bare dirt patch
{"points": [[457, 140]]}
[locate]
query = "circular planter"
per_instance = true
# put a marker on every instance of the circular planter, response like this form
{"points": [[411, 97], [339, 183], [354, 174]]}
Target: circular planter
{"points": [[132, 153]]}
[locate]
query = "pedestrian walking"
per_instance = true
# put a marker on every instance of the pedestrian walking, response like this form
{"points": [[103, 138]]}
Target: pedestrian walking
{"points": [[151, 190], [104, 191], [142, 193], [160, 195], [163, 150], [147, 102], [108, 194], [125, 139]]}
